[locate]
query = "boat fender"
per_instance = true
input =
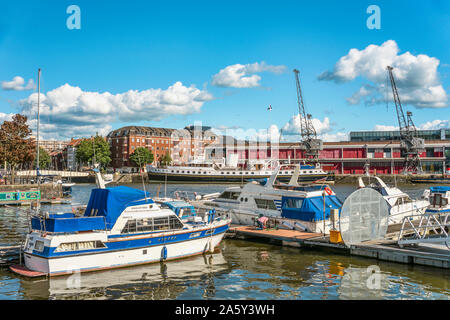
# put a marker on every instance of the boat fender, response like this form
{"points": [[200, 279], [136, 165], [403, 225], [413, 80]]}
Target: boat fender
{"points": [[164, 253]]}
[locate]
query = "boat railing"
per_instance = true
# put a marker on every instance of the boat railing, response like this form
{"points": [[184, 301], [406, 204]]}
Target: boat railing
{"points": [[425, 228]]}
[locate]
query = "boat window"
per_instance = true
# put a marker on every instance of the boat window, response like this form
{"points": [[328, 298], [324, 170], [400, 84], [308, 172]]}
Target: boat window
{"points": [[39, 246], [265, 204], [293, 203], [175, 223], [229, 195], [437, 200], [130, 226], [407, 200], [186, 212], [82, 245]]}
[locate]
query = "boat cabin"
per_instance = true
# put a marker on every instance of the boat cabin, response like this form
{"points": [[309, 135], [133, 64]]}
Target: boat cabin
{"points": [[439, 198]]}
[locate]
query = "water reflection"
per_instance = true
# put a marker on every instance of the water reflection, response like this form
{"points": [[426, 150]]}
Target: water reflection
{"points": [[153, 281]]}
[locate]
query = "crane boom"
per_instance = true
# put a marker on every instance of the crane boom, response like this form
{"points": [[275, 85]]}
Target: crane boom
{"points": [[308, 132], [408, 132]]}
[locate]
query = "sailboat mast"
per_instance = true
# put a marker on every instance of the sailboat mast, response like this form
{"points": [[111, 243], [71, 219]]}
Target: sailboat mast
{"points": [[37, 138]]}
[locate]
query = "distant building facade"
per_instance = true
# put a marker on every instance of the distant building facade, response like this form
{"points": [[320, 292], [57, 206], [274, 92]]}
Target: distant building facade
{"points": [[182, 145], [438, 134]]}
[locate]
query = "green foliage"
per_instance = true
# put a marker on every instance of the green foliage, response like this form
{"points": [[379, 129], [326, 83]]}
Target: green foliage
{"points": [[141, 156], [166, 159], [85, 151], [16, 147], [44, 159]]}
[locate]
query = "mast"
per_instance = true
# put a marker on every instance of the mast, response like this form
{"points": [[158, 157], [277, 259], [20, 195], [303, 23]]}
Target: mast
{"points": [[37, 140]]}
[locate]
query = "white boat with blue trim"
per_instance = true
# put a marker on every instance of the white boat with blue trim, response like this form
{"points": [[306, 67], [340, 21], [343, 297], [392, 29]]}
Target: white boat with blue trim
{"points": [[303, 207], [120, 227]]}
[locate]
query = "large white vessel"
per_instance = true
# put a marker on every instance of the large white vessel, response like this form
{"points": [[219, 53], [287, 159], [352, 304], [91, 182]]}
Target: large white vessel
{"points": [[306, 205], [220, 173], [400, 204], [120, 227]]}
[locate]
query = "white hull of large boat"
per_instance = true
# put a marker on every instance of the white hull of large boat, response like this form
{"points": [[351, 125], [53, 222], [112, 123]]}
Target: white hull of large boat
{"points": [[240, 217], [123, 258]]}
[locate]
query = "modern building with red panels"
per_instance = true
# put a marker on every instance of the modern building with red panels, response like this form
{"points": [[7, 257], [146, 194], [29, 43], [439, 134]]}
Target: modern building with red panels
{"points": [[382, 157]]}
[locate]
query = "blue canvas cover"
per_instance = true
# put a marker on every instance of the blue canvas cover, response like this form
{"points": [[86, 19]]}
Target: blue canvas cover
{"points": [[68, 224], [111, 202], [311, 209], [442, 189]]}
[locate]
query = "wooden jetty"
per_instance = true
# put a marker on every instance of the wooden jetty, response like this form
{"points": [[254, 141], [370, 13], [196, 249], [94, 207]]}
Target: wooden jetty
{"points": [[386, 250], [30, 202]]}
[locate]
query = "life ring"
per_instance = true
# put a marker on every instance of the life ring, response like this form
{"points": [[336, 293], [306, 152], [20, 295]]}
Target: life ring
{"points": [[328, 191]]}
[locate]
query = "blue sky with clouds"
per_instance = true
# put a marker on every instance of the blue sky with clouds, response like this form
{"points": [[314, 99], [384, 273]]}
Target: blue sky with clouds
{"points": [[169, 64]]}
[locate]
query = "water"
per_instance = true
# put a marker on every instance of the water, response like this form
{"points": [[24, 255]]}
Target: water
{"points": [[241, 270]]}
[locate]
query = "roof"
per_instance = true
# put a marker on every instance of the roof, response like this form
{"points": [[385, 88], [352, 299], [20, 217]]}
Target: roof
{"points": [[440, 189], [140, 130], [177, 204], [111, 202]]}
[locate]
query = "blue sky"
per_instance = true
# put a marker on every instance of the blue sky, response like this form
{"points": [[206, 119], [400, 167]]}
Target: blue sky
{"points": [[142, 45]]}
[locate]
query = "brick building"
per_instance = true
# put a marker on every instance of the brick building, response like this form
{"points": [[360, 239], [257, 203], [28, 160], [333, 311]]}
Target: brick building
{"points": [[182, 145]]}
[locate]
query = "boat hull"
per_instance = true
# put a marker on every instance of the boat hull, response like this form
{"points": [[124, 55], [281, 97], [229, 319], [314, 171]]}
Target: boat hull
{"points": [[156, 176], [96, 261]]}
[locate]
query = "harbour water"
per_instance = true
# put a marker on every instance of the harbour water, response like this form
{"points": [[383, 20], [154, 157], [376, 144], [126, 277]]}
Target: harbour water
{"points": [[241, 270]]}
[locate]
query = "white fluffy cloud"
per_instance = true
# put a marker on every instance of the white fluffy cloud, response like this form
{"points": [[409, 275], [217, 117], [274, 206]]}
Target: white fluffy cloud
{"points": [[243, 76], [17, 84], [5, 117], [416, 76], [429, 125], [69, 111], [293, 126]]}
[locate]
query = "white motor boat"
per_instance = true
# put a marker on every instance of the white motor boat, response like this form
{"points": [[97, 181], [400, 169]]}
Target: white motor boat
{"points": [[120, 227], [400, 203], [304, 206]]}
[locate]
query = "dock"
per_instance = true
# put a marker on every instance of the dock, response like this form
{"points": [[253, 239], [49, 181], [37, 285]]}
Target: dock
{"points": [[29, 202], [385, 250]]}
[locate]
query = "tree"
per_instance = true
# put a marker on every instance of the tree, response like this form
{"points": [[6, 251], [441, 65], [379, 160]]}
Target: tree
{"points": [[44, 159], [16, 145], [166, 159], [85, 151], [141, 156]]}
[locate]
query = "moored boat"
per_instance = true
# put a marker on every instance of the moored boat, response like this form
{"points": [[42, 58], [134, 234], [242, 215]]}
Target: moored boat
{"points": [[292, 204], [400, 204], [211, 174], [120, 227]]}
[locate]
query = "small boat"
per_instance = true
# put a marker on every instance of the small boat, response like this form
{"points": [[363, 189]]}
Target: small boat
{"points": [[120, 227], [289, 204], [400, 204]]}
